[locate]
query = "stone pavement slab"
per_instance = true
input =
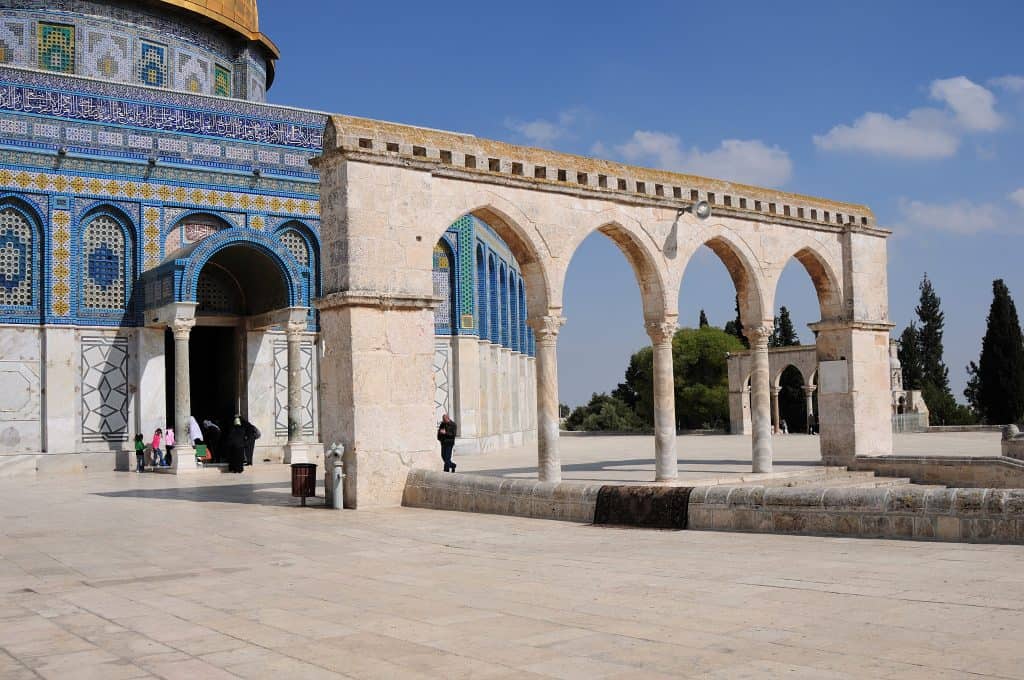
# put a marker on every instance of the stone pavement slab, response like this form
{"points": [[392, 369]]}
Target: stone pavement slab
{"points": [[133, 576]]}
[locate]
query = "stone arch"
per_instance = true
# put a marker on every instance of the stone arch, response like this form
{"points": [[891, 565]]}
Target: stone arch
{"points": [[174, 242], [777, 375], [528, 249], [269, 249], [99, 271], [826, 283], [643, 258], [21, 265], [444, 280], [742, 266]]}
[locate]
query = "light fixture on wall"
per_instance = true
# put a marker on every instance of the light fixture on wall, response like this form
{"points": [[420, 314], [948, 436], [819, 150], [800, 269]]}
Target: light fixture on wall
{"points": [[699, 209]]}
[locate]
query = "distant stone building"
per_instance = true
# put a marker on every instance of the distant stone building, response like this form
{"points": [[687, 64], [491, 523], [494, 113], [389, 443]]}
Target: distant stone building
{"points": [[160, 245]]}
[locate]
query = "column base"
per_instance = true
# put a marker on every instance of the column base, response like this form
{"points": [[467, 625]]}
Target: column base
{"points": [[184, 460], [296, 452]]}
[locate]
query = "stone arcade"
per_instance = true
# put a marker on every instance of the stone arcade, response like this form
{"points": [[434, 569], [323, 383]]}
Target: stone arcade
{"points": [[392, 190]]}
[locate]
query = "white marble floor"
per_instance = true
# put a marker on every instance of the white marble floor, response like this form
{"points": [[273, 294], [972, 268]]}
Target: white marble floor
{"points": [[118, 575]]}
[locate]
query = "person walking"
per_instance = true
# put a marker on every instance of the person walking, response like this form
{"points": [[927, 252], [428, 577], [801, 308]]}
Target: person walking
{"points": [[140, 453], [446, 433], [252, 433], [168, 444], [195, 433], [234, 443], [158, 458]]}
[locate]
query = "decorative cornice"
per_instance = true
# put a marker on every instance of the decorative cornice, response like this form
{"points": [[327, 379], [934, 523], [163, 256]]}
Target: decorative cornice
{"points": [[355, 298]]}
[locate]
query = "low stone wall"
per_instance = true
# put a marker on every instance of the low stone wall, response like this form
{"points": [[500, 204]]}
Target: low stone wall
{"points": [[968, 515], [998, 472], [939, 429], [569, 501]]}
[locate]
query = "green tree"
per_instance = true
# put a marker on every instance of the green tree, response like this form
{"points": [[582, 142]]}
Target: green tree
{"points": [[999, 373], [934, 374], [703, 320], [735, 327], [604, 413], [784, 334], [910, 358]]}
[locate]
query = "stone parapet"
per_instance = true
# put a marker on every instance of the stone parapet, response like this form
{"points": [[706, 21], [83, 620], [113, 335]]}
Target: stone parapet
{"points": [[567, 501], [965, 515], [998, 472]]}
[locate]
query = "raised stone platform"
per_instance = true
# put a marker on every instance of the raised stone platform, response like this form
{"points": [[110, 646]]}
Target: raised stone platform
{"points": [[828, 501]]}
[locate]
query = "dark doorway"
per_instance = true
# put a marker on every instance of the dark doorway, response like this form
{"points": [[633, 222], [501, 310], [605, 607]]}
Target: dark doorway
{"points": [[213, 372]]}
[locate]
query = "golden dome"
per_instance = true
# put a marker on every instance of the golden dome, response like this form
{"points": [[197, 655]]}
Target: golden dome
{"points": [[241, 16]]}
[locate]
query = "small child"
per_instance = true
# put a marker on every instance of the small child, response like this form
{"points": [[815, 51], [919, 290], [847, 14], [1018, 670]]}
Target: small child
{"points": [[168, 444], [140, 453], [158, 459]]}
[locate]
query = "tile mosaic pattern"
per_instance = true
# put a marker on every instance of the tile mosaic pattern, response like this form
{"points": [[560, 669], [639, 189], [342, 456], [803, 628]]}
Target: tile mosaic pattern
{"points": [[60, 292], [56, 47], [444, 288], [17, 244], [221, 81], [106, 55], [151, 66], [15, 41], [281, 387], [150, 236], [296, 244], [104, 389], [105, 273]]}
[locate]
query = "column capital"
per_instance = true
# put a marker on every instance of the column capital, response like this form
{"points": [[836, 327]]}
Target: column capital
{"points": [[181, 328], [295, 329], [809, 390], [661, 331], [546, 327], [758, 335], [776, 391]]}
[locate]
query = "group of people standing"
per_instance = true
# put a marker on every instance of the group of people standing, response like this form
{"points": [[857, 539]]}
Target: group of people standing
{"points": [[238, 444]]}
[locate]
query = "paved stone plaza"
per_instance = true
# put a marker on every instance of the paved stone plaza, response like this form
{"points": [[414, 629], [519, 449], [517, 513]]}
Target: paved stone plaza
{"points": [[118, 575], [631, 458]]}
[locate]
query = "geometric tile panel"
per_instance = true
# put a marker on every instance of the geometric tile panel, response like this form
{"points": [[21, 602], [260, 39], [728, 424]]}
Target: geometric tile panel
{"points": [[103, 264], [15, 42], [60, 221], [16, 256], [221, 81], [281, 387], [151, 236], [106, 55], [442, 380], [121, 189], [442, 277], [297, 245], [104, 389], [192, 73], [151, 68], [56, 47]]}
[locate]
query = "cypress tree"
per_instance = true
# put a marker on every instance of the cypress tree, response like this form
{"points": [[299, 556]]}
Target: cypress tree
{"points": [[910, 357], [784, 334], [1000, 370], [735, 327], [703, 319], [934, 373]]}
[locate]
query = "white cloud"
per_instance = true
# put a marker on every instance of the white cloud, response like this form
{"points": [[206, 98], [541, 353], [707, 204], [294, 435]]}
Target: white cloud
{"points": [[740, 160], [1009, 83], [924, 133], [972, 104], [958, 217], [542, 132], [1017, 197]]}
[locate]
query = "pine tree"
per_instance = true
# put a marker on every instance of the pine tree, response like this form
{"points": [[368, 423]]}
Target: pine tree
{"points": [[784, 334], [735, 327], [703, 319], [910, 357], [1000, 370]]}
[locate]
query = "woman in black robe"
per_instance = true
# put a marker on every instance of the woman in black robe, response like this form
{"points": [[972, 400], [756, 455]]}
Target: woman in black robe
{"points": [[234, 444]]}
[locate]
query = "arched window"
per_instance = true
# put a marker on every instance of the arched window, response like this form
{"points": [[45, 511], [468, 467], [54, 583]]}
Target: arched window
{"points": [[523, 344], [106, 267], [504, 304], [444, 288], [294, 242], [481, 294], [493, 327], [17, 254], [513, 321]]}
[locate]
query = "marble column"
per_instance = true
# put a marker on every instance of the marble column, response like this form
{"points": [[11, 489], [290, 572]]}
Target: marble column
{"points": [[809, 396], [184, 459], [666, 463], [776, 420], [760, 398], [549, 464], [297, 450]]}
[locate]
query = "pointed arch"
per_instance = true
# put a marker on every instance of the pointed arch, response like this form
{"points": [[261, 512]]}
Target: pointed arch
{"points": [[21, 259], [740, 264], [826, 283], [482, 318], [107, 240]]}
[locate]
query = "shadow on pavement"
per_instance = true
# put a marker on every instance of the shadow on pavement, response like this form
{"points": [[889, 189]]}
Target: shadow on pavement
{"points": [[269, 493]]}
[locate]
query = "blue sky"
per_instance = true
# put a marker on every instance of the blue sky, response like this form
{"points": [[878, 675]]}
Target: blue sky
{"points": [[915, 108]]}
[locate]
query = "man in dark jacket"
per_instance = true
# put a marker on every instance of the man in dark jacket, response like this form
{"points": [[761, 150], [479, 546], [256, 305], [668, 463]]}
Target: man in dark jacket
{"points": [[446, 433]]}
